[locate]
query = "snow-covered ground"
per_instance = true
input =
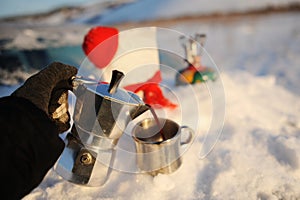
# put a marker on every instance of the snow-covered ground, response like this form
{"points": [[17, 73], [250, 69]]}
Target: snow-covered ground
{"points": [[257, 153], [262, 45], [256, 157], [156, 9]]}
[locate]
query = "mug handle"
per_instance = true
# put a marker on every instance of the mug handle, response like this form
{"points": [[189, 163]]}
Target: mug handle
{"points": [[186, 129]]}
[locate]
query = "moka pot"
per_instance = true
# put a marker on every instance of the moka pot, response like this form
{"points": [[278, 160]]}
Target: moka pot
{"points": [[102, 113]]}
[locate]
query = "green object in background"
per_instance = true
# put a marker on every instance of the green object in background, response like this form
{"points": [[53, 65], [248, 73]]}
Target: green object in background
{"points": [[203, 76], [182, 77]]}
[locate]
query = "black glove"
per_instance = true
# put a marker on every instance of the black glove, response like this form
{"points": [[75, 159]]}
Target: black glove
{"points": [[48, 90]]}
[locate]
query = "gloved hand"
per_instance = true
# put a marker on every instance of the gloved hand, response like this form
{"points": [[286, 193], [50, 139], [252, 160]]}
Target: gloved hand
{"points": [[48, 90]]}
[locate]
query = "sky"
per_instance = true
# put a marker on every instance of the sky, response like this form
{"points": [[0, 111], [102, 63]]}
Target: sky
{"points": [[10, 8]]}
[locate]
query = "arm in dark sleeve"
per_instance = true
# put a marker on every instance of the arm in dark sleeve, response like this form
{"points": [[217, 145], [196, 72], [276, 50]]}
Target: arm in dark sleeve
{"points": [[29, 146]]}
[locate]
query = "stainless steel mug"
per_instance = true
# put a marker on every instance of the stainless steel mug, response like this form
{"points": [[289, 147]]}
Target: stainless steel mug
{"points": [[158, 150]]}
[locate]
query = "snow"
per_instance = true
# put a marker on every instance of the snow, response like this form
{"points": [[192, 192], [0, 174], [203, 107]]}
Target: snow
{"points": [[257, 154], [157, 9], [266, 45], [39, 37]]}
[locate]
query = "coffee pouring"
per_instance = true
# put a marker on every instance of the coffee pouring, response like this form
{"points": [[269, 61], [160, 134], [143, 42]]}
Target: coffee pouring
{"points": [[102, 113]]}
